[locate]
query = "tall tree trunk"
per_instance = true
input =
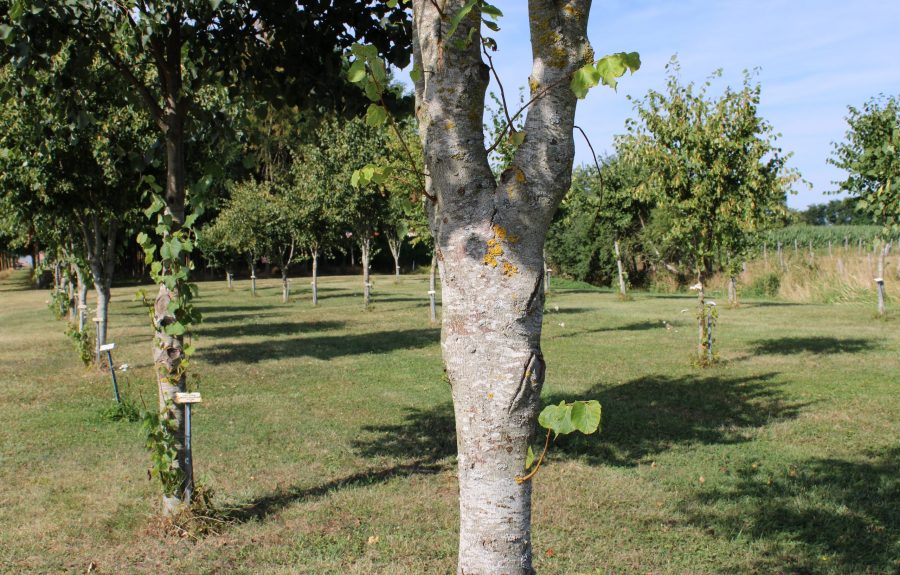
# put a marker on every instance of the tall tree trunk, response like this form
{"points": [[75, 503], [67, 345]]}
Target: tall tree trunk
{"points": [[364, 245], [431, 291], [621, 272], [315, 276], [489, 238], [229, 277]]}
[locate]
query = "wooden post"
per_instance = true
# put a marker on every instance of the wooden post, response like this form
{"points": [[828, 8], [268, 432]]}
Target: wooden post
{"points": [[112, 370], [188, 399]]}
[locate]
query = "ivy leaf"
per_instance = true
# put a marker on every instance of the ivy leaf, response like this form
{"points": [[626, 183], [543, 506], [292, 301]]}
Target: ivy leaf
{"points": [[155, 206], [416, 73], [529, 458], [516, 138]]}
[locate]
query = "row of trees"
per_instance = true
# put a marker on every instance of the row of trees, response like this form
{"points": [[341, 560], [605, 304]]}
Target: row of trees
{"points": [[698, 184]]}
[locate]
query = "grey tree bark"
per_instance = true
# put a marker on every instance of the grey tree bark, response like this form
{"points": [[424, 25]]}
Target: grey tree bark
{"points": [[252, 262], [364, 245], [431, 284], [880, 279], [229, 277], [81, 289], [315, 275], [489, 237], [395, 244], [621, 272], [100, 247]]}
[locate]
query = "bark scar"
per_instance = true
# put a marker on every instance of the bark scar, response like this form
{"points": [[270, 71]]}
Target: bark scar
{"points": [[533, 370], [535, 292]]}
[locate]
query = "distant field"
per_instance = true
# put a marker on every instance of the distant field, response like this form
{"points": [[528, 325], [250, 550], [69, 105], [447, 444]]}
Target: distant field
{"points": [[327, 433]]}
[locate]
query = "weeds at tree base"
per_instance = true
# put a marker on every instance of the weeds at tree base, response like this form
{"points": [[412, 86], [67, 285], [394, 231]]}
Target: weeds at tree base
{"points": [[125, 410], [199, 520], [702, 360]]}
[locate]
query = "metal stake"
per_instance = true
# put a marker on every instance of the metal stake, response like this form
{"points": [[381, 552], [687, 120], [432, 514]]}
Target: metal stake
{"points": [[112, 370]]}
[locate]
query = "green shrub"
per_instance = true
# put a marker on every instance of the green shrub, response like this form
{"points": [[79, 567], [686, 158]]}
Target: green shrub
{"points": [[766, 285]]}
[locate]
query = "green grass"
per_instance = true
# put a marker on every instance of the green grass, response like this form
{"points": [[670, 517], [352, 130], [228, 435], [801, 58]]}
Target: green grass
{"points": [[327, 435]]}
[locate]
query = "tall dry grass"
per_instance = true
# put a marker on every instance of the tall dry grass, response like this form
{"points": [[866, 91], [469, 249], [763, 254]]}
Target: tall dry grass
{"points": [[846, 275]]}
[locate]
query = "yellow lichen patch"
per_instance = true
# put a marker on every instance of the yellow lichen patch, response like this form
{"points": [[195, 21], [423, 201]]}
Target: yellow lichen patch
{"points": [[494, 251], [520, 176], [449, 124], [533, 84]]}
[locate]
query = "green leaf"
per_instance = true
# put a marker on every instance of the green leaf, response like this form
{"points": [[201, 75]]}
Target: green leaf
{"points": [[357, 71], [516, 138], [376, 115], [586, 416], [155, 206], [557, 418], [584, 79], [458, 17], [490, 11], [175, 328], [529, 458], [214, 4], [416, 73]]}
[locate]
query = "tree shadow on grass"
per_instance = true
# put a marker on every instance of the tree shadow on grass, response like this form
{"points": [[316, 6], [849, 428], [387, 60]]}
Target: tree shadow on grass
{"points": [[845, 515], [262, 507], [641, 418], [264, 328], [818, 345], [650, 415], [319, 346], [637, 326]]}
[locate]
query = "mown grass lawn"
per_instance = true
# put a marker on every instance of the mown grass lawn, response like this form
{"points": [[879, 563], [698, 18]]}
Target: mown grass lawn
{"points": [[327, 436]]}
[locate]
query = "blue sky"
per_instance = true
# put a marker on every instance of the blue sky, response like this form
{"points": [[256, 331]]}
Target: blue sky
{"points": [[815, 58]]}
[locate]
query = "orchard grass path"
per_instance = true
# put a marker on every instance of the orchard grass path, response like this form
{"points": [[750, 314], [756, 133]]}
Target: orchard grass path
{"points": [[327, 436]]}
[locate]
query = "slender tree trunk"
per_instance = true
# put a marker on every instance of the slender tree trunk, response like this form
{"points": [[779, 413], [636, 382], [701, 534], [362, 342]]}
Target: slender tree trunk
{"points": [[395, 244], [364, 249], [315, 276], [229, 277], [285, 289], [431, 286], [546, 275], [766, 256], [880, 279], [253, 276], [82, 290], [489, 239], [781, 257], [732, 291], [621, 272]]}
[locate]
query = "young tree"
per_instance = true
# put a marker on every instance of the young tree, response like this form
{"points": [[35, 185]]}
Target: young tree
{"points": [[870, 157], [489, 238], [713, 165]]}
